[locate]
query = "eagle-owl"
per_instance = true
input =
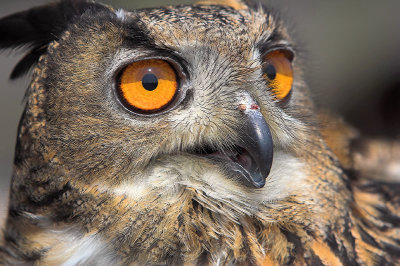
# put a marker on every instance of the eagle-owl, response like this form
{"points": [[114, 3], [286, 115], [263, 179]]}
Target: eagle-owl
{"points": [[183, 135]]}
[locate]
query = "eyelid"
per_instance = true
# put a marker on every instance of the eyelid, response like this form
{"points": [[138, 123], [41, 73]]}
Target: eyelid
{"points": [[287, 50]]}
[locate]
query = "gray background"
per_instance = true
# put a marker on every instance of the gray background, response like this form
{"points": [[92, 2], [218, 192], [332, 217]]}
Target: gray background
{"points": [[352, 56]]}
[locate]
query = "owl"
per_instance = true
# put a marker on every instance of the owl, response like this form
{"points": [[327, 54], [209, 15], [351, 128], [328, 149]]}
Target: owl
{"points": [[185, 136]]}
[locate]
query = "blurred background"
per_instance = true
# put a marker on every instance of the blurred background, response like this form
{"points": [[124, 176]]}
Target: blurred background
{"points": [[352, 52]]}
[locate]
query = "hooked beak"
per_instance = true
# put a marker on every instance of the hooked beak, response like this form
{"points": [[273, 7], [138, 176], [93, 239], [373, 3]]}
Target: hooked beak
{"points": [[252, 154], [256, 139]]}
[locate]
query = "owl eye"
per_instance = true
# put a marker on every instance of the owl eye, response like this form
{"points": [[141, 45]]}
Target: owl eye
{"points": [[148, 85], [279, 73]]}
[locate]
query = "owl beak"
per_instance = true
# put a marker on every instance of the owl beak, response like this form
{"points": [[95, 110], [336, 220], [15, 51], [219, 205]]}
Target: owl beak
{"points": [[256, 138]]}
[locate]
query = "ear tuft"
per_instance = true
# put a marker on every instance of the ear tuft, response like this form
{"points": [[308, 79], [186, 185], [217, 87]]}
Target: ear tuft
{"points": [[36, 28]]}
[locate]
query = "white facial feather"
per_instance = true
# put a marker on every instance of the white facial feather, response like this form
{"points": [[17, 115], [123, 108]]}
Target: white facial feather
{"points": [[171, 174], [88, 250], [73, 249], [121, 14]]}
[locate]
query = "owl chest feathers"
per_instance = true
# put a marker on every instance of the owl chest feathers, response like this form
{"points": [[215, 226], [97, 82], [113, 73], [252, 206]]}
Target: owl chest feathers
{"points": [[180, 209]]}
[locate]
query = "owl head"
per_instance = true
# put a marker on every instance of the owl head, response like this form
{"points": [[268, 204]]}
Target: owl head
{"points": [[165, 112]]}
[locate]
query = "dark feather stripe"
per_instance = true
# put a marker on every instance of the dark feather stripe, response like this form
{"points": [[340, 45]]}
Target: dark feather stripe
{"points": [[391, 249], [51, 197], [297, 250], [367, 238], [339, 250], [387, 216], [313, 259]]}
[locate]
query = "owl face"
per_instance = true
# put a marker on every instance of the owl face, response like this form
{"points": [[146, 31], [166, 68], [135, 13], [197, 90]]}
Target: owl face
{"points": [[164, 100]]}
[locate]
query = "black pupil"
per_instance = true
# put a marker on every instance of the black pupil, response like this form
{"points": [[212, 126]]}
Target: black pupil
{"points": [[150, 82], [270, 71]]}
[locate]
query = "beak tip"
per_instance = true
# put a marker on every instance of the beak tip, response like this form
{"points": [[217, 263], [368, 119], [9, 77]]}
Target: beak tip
{"points": [[260, 184], [257, 180]]}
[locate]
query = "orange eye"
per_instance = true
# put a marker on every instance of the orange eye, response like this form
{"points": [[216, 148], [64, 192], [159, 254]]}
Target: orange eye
{"points": [[279, 73], [148, 85]]}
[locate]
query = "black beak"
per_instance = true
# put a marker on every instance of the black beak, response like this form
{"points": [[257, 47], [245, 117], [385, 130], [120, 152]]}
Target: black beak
{"points": [[255, 138]]}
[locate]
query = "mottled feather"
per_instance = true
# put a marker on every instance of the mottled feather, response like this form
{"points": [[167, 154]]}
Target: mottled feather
{"points": [[94, 183]]}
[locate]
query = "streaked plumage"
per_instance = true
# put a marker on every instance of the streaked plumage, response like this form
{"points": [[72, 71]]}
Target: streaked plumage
{"points": [[96, 183]]}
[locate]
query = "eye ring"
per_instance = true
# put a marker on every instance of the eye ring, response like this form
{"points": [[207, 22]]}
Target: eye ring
{"points": [[148, 86], [278, 72]]}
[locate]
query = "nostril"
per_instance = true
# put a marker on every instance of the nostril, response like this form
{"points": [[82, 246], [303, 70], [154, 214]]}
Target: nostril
{"points": [[243, 107], [254, 107]]}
